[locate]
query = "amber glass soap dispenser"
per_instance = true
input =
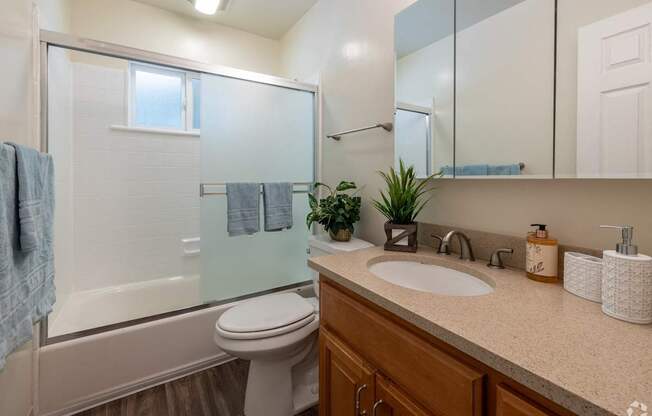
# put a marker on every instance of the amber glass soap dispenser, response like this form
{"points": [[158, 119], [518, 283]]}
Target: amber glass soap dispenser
{"points": [[541, 256]]}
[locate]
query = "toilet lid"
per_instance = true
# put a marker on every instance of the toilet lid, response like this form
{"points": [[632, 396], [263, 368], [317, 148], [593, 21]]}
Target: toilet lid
{"points": [[266, 313]]}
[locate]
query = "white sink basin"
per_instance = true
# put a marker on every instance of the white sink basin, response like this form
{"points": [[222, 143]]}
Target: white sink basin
{"points": [[430, 278]]}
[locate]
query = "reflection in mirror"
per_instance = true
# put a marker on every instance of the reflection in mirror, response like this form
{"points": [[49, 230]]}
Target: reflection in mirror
{"points": [[604, 101], [504, 88], [424, 43]]}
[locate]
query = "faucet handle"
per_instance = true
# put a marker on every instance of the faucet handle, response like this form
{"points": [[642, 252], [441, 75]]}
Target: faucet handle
{"points": [[496, 262], [440, 248]]}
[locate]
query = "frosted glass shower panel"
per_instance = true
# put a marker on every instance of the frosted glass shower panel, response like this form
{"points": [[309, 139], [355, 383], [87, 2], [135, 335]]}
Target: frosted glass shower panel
{"points": [[253, 132]]}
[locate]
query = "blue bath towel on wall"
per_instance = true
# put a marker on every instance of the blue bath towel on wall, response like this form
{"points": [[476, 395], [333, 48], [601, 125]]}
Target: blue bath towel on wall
{"points": [[26, 243], [475, 170], [513, 169], [466, 170]]}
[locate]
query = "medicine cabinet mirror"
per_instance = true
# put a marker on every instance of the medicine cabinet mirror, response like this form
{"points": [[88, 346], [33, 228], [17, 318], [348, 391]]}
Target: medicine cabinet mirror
{"points": [[525, 89]]}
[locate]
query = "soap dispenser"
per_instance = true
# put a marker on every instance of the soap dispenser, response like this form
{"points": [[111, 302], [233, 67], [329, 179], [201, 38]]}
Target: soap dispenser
{"points": [[627, 280], [541, 255]]}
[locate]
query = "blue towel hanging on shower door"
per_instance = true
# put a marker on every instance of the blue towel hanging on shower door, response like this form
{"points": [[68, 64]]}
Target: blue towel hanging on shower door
{"points": [[243, 208], [277, 201]]}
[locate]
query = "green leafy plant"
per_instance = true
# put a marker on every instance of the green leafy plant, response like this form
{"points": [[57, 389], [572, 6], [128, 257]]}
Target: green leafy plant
{"points": [[337, 211], [405, 197]]}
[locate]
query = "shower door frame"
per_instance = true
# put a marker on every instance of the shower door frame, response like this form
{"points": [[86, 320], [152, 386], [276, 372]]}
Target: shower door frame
{"points": [[49, 38]]}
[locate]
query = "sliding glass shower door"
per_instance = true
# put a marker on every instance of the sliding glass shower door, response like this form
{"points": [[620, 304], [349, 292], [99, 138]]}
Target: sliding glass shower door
{"points": [[253, 132]]}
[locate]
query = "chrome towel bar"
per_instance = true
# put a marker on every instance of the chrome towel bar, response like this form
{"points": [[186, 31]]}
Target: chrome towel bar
{"points": [[298, 188], [384, 126]]}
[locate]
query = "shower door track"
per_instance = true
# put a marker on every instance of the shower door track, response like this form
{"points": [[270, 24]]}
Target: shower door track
{"points": [[49, 38]]}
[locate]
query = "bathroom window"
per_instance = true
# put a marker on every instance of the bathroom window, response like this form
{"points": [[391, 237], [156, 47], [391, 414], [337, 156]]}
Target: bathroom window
{"points": [[163, 98]]}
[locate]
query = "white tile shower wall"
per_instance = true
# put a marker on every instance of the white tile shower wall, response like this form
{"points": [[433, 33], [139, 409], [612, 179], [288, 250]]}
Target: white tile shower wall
{"points": [[136, 194], [60, 111]]}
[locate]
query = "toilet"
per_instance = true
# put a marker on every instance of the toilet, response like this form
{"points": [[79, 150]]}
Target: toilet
{"points": [[278, 334]]}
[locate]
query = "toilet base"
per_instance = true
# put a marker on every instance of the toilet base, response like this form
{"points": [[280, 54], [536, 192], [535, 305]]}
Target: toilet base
{"points": [[285, 387]]}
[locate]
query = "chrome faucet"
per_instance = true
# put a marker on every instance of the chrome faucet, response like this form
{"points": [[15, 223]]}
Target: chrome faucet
{"points": [[466, 250]]}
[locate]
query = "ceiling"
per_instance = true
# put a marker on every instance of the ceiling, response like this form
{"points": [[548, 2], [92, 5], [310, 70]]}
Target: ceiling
{"points": [[271, 19], [427, 21]]}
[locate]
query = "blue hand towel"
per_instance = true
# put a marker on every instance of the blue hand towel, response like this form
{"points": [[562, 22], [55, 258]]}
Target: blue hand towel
{"points": [[277, 200], [513, 169], [34, 169], [475, 170], [448, 171], [243, 208], [26, 277]]}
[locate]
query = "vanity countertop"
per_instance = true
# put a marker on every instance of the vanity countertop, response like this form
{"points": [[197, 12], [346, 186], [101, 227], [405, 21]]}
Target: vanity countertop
{"points": [[555, 343]]}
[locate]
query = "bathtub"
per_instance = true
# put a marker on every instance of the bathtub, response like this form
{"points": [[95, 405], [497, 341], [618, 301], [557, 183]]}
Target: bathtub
{"points": [[84, 372], [99, 307]]}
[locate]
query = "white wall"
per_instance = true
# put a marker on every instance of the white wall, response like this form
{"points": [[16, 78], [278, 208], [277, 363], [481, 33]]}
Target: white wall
{"points": [[574, 14], [130, 23], [19, 124], [135, 194], [358, 89], [54, 14], [505, 89], [348, 46]]}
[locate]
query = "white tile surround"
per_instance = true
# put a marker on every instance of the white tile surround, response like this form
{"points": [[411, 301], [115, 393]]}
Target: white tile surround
{"points": [[135, 194]]}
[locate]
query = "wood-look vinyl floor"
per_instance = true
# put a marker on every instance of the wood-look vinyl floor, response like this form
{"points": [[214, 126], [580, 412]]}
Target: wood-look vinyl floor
{"points": [[218, 391]]}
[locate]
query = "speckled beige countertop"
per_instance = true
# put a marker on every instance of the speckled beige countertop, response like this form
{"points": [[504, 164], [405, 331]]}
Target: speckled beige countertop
{"points": [[545, 338]]}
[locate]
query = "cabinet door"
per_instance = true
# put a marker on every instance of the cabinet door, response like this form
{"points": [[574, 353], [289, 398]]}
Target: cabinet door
{"points": [[511, 404], [346, 382], [392, 401]]}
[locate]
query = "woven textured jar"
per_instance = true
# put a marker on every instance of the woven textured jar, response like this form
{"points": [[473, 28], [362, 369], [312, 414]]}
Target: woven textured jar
{"points": [[627, 287], [583, 275]]}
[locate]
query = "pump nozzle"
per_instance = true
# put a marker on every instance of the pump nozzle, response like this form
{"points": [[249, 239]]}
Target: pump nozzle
{"points": [[626, 247], [541, 232]]}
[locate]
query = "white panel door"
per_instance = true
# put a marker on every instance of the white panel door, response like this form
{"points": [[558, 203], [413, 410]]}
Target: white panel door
{"points": [[614, 132]]}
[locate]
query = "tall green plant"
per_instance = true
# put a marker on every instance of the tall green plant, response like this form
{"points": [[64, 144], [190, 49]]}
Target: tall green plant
{"points": [[338, 210], [405, 197]]}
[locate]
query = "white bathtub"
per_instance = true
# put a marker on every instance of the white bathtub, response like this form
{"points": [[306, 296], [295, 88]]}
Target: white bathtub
{"points": [[115, 304], [82, 373]]}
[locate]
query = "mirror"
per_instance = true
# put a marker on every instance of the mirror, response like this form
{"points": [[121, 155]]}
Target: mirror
{"points": [[424, 116], [475, 87], [505, 60], [604, 98]]}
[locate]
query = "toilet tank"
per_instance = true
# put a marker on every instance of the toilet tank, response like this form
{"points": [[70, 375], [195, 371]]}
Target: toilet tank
{"points": [[322, 245]]}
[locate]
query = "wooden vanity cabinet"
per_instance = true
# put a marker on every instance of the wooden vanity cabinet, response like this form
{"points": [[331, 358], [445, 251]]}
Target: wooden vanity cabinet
{"points": [[370, 357], [390, 400], [509, 403], [351, 386], [346, 380]]}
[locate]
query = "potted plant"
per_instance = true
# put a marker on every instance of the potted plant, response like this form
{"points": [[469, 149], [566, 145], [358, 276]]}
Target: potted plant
{"points": [[337, 212], [404, 200]]}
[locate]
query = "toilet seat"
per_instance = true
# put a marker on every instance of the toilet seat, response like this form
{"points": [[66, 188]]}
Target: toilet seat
{"points": [[265, 317], [265, 334]]}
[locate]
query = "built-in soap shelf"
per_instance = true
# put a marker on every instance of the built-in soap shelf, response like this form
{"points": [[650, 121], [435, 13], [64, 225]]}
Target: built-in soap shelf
{"points": [[191, 246]]}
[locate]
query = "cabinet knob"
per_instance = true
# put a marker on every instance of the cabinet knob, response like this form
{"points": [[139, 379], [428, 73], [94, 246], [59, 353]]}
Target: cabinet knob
{"points": [[376, 406], [358, 393]]}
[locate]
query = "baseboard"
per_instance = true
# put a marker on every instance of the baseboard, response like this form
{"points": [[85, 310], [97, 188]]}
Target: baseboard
{"points": [[127, 389]]}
